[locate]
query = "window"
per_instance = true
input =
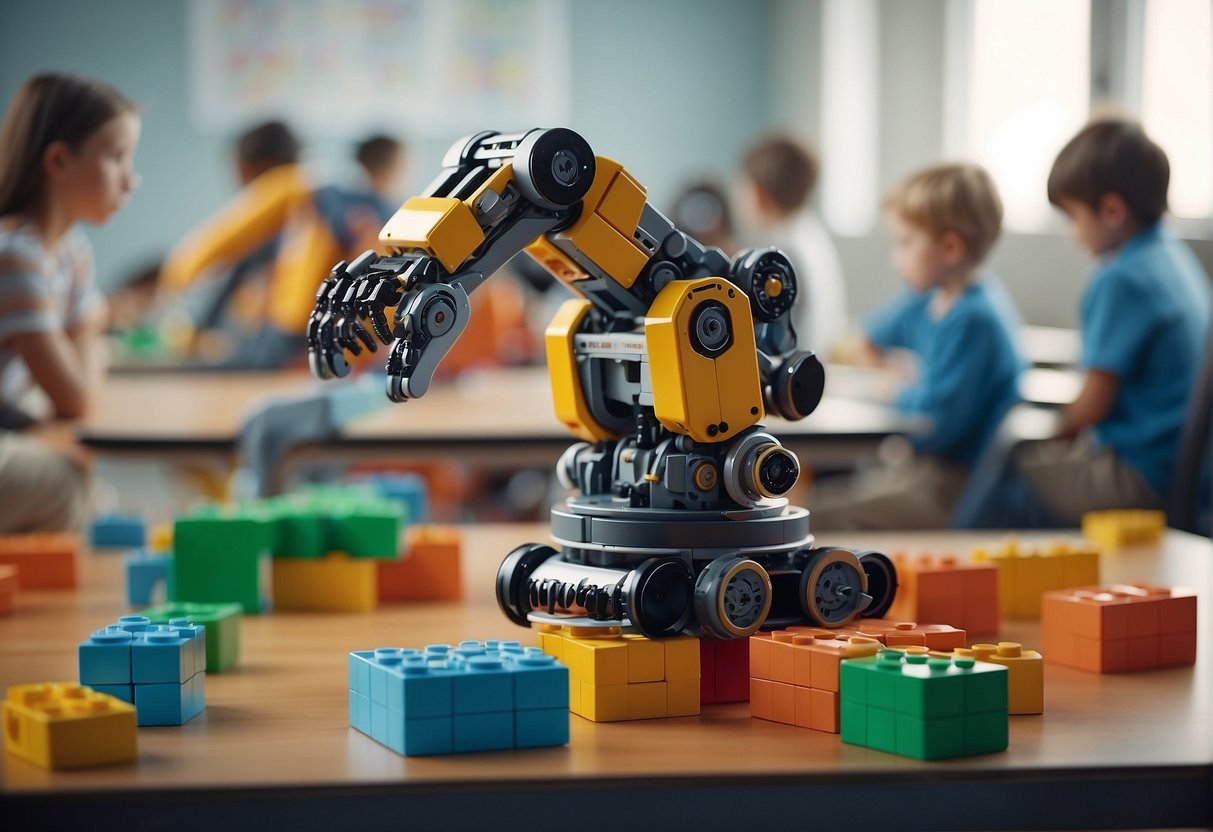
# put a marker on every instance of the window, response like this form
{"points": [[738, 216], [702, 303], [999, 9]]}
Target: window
{"points": [[1019, 72], [1177, 97]]}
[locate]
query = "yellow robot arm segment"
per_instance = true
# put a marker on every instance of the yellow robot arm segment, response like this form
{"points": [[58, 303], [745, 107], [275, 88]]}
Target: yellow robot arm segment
{"points": [[568, 398]]}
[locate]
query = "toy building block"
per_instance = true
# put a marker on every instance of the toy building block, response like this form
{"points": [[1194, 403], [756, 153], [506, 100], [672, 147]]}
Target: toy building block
{"points": [[145, 572], [118, 531], [1120, 628], [921, 706], [614, 677], [1117, 528], [222, 623], [220, 557], [1024, 573], [160, 538], [336, 583], [62, 725], [428, 570], [724, 670], [794, 675], [472, 697], [409, 489], [368, 529], [943, 589], [1025, 674], [160, 669], [908, 633], [8, 589], [44, 560], [302, 529]]}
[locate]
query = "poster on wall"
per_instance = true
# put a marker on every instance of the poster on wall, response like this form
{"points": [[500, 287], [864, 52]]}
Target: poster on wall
{"points": [[336, 67]]}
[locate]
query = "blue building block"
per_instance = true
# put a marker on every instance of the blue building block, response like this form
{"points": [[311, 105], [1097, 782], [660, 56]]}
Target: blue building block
{"points": [[409, 489], [169, 703], [124, 692], [134, 623], [167, 653], [144, 572], [473, 697], [104, 658], [118, 531]]}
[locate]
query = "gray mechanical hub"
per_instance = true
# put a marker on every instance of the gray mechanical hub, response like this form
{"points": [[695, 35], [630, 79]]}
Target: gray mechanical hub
{"points": [[661, 572]]}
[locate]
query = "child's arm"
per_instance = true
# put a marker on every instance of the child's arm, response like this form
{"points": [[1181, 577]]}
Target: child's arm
{"points": [[55, 364], [1093, 404]]}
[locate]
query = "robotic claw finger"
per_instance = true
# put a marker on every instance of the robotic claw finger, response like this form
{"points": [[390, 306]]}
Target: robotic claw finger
{"points": [[664, 364]]}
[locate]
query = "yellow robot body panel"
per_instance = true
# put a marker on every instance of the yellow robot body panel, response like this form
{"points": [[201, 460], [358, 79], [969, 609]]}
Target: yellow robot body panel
{"points": [[710, 398], [443, 227], [610, 213], [564, 375]]}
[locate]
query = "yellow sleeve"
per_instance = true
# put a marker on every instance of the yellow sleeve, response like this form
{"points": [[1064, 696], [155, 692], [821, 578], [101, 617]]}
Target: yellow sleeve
{"points": [[307, 254], [254, 216]]}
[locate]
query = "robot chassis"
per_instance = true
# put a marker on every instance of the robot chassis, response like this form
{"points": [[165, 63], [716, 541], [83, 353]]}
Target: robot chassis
{"points": [[664, 363]]}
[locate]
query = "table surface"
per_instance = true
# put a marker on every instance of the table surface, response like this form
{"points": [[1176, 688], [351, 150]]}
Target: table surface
{"points": [[278, 725]]}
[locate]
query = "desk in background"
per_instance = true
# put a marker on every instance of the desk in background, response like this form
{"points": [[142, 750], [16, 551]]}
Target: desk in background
{"points": [[1109, 752]]}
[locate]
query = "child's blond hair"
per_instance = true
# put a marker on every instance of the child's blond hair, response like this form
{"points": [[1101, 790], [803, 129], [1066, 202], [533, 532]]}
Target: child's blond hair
{"points": [[960, 197]]}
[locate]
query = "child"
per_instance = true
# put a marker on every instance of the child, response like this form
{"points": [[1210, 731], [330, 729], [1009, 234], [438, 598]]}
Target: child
{"points": [[67, 150], [963, 328], [1145, 318], [778, 177]]}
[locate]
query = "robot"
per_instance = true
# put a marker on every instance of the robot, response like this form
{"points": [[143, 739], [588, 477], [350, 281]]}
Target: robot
{"points": [[664, 365]]}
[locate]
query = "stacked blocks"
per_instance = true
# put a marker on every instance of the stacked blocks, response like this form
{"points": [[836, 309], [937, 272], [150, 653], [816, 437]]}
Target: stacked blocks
{"points": [[118, 531], [941, 589], [794, 675], [334, 583], [1024, 573], [474, 697], [219, 557], [906, 634], [144, 573], [1120, 628], [614, 677], [1025, 674], [1118, 528], [724, 670], [8, 589], [160, 669], [62, 725], [409, 489], [429, 570], [45, 560], [222, 625], [921, 706]]}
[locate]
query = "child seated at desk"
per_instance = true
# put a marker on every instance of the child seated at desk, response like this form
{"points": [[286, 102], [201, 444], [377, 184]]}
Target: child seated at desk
{"points": [[962, 327], [1145, 317], [67, 150]]}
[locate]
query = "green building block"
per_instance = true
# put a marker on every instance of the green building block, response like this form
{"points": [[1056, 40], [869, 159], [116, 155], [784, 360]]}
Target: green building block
{"points": [[222, 555], [368, 529], [926, 707], [222, 623], [301, 529]]}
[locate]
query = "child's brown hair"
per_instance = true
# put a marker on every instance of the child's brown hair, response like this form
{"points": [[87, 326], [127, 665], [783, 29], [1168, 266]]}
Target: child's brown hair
{"points": [[959, 197], [785, 169], [1113, 156], [49, 108]]}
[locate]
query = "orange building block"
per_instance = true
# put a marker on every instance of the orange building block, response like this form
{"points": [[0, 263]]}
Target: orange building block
{"points": [[907, 633], [1119, 628], [8, 589], [429, 569], [932, 588], [794, 675], [45, 560]]}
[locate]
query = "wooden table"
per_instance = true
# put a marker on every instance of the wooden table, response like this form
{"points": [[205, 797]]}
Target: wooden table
{"points": [[1110, 751]]}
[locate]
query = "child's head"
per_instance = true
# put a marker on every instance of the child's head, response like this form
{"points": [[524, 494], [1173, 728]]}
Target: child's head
{"points": [[702, 210], [68, 143], [778, 177], [382, 159], [1111, 182], [265, 146], [945, 220]]}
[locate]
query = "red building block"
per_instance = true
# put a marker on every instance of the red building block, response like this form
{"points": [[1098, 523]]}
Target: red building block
{"points": [[724, 668], [1120, 628], [942, 588], [429, 569], [45, 560], [8, 589]]}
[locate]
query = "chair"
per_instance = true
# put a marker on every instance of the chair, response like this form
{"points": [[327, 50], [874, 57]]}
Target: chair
{"points": [[1190, 506]]}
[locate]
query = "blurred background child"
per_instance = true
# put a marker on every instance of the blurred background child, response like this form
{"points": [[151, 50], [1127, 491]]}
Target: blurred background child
{"points": [[67, 149], [778, 175], [962, 328]]}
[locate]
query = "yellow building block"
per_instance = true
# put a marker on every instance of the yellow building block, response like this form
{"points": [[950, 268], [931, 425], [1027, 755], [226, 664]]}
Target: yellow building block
{"points": [[682, 697], [160, 539], [1024, 573], [682, 660], [1123, 527], [603, 703], [1025, 675], [62, 725], [646, 700], [597, 661], [334, 583], [646, 659]]}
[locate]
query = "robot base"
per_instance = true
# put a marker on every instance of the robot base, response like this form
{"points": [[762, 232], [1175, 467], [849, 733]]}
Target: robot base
{"points": [[661, 572]]}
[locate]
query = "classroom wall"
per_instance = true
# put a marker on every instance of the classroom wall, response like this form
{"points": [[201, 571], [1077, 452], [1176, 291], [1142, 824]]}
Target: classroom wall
{"points": [[671, 89]]}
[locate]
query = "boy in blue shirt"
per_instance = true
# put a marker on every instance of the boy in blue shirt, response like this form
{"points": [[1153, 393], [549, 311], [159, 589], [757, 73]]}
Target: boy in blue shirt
{"points": [[1145, 318], [963, 328]]}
